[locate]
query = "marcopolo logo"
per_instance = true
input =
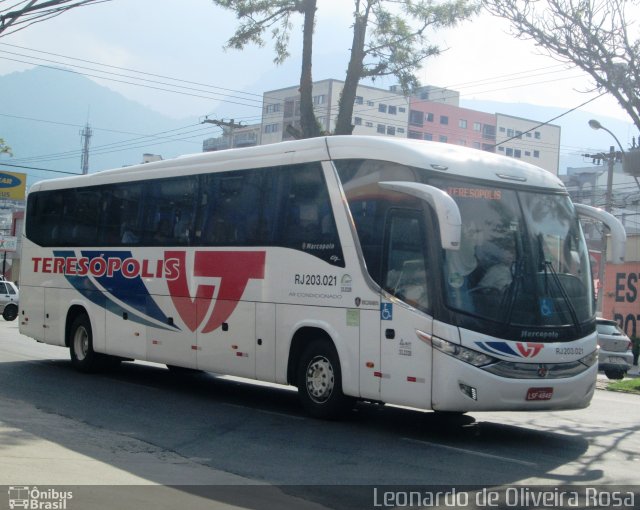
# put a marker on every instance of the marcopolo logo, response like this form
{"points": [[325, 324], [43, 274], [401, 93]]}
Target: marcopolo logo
{"points": [[38, 499]]}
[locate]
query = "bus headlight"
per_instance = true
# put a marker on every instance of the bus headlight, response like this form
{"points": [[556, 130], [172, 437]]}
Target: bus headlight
{"points": [[475, 358]]}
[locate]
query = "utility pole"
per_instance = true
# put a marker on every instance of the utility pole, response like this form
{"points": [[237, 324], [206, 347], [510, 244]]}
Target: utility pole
{"points": [[85, 134], [611, 157], [230, 125]]}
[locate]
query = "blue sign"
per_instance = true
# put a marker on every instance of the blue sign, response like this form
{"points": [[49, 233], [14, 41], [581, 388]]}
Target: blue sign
{"points": [[546, 307], [386, 311]]}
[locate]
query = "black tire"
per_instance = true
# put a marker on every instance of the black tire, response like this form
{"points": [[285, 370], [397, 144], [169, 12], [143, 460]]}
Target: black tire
{"points": [[319, 381], [10, 312], [83, 357], [614, 374]]}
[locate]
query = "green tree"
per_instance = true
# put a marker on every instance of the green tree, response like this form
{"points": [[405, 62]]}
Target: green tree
{"points": [[258, 16], [389, 34], [593, 35], [396, 45], [24, 13]]}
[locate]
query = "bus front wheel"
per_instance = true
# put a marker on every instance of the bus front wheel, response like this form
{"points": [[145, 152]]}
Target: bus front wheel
{"points": [[320, 381]]}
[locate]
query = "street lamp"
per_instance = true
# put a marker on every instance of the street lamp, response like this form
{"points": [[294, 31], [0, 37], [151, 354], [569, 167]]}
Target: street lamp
{"points": [[594, 124]]}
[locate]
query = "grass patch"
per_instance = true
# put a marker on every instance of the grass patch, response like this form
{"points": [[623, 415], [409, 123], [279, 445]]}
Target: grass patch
{"points": [[626, 386]]}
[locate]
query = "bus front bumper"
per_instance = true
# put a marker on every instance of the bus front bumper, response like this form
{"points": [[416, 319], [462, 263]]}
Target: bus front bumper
{"points": [[459, 386]]}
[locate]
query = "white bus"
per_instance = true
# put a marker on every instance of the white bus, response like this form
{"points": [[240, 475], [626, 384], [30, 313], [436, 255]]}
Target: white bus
{"points": [[397, 271]]}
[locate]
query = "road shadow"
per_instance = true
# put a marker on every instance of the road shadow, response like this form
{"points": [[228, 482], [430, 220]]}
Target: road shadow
{"points": [[260, 432]]}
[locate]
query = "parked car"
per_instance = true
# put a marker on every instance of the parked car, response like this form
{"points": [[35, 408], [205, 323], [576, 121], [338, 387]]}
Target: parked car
{"points": [[615, 356], [9, 300]]}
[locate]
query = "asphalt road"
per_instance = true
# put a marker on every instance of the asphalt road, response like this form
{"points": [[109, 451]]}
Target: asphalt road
{"points": [[244, 445]]}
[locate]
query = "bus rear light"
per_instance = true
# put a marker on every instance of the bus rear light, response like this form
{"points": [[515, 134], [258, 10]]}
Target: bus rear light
{"points": [[469, 391]]}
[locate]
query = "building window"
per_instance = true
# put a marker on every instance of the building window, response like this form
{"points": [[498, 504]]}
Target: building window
{"points": [[428, 136], [536, 154], [272, 108], [370, 103], [382, 108], [536, 135], [528, 134], [509, 151], [462, 123], [502, 129], [501, 148], [517, 153], [391, 130], [381, 129], [428, 117], [509, 133], [527, 153], [402, 109], [519, 134], [443, 139], [357, 121], [400, 130], [444, 120], [415, 118], [368, 124], [271, 128], [359, 100], [476, 145], [478, 127], [393, 110], [416, 135], [319, 99], [288, 107]]}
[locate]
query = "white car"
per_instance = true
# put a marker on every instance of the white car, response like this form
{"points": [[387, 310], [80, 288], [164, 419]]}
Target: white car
{"points": [[615, 356], [9, 300]]}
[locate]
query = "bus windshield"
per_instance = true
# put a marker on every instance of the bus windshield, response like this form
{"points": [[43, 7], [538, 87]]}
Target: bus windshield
{"points": [[522, 258]]}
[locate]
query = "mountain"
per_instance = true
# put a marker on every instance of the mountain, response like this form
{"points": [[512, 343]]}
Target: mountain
{"points": [[43, 111]]}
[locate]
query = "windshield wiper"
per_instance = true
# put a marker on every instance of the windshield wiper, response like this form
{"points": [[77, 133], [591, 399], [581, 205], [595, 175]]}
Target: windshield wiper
{"points": [[548, 265], [517, 277]]}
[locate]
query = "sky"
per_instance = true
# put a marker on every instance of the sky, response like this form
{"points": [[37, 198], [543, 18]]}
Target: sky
{"points": [[183, 40]]}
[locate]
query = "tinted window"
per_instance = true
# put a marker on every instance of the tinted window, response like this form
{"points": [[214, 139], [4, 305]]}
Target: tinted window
{"points": [[280, 206]]}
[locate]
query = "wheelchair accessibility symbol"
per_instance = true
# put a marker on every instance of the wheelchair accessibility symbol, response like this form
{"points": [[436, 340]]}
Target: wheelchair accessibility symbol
{"points": [[546, 307], [386, 311]]}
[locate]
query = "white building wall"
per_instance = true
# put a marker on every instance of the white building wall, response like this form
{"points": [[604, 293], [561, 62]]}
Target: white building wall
{"points": [[376, 111], [529, 141]]}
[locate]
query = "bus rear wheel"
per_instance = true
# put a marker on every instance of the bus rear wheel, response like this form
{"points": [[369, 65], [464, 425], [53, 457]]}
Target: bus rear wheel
{"points": [[319, 381], [83, 357]]}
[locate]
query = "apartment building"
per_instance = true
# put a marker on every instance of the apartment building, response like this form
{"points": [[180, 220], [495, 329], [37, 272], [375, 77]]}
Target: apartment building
{"points": [[530, 140], [448, 123], [375, 111], [431, 113]]}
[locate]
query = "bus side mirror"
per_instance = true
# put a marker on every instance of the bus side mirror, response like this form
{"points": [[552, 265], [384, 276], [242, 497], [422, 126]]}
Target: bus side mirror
{"points": [[446, 208], [618, 233]]}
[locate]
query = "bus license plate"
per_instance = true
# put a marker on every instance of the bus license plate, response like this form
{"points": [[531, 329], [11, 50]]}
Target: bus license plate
{"points": [[539, 393]]}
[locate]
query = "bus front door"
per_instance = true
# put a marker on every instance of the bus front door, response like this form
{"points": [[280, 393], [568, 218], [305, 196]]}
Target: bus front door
{"points": [[405, 356]]}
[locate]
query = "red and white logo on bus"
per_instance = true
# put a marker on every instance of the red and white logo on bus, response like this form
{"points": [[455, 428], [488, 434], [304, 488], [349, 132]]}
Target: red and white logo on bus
{"points": [[231, 270], [529, 349]]}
